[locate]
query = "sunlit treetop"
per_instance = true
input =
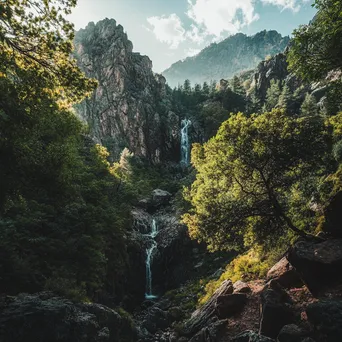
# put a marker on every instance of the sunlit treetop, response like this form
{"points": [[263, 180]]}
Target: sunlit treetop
{"points": [[35, 35]]}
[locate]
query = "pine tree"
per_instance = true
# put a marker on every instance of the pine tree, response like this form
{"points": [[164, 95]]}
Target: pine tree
{"points": [[253, 102], [205, 88], [197, 88], [187, 87], [285, 98], [237, 87], [309, 106], [272, 96]]}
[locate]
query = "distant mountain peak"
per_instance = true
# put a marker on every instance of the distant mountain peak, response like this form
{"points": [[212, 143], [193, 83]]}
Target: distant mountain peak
{"points": [[223, 60]]}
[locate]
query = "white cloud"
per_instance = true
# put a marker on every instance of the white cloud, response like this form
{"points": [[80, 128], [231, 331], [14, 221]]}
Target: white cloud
{"points": [[217, 17], [192, 52], [285, 4], [168, 29]]}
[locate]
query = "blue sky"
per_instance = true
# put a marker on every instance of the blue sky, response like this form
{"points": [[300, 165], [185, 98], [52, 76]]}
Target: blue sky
{"points": [[170, 30]]}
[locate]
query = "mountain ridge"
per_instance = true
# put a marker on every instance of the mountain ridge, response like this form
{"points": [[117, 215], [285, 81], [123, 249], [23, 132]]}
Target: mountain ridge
{"points": [[227, 58]]}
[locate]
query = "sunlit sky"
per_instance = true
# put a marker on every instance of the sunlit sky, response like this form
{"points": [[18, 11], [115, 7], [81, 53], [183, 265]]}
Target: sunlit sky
{"points": [[170, 30]]}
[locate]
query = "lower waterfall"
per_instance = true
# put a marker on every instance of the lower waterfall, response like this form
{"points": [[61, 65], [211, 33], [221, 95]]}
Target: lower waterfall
{"points": [[149, 258]]}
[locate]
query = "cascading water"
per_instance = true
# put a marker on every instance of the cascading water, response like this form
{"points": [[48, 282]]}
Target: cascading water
{"points": [[149, 258], [185, 146]]}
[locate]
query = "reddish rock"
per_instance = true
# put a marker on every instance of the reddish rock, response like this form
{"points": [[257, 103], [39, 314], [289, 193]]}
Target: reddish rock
{"points": [[241, 287], [285, 274]]}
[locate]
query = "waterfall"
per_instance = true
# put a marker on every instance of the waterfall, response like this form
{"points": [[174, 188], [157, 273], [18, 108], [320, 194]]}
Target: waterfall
{"points": [[185, 146], [149, 258]]}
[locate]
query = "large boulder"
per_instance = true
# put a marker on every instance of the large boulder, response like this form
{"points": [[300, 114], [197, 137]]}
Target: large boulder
{"points": [[230, 304], [45, 317], [276, 312], [156, 319], [291, 333], [317, 263], [326, 316], [155, 201], [251, 336], [160, 197], [201, 316], [285, 274], [241, 287], [211, 332]]}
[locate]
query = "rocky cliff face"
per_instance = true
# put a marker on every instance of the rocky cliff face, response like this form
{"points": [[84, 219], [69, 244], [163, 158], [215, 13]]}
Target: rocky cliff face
{"points": [[227, 58], [130, 107]]}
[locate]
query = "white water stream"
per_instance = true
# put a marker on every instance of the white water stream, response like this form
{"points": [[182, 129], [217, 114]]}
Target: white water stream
{"points": [[185, 145], [149, 259]]}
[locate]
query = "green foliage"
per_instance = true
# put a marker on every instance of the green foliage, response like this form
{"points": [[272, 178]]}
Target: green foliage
{"points": [[62, 211], [337, 151], [309, 106], [248, 266], [284, 98], [272, 96], [139, 177], [247, 176], [316, 47], [237, 87], [36, 37]]}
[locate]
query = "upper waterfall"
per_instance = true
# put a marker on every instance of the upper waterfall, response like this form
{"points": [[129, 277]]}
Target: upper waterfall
{"points": [[185, 144]]}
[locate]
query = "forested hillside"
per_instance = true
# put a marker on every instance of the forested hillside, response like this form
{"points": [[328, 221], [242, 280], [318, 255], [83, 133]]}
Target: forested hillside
{"points": [[131, 211]]}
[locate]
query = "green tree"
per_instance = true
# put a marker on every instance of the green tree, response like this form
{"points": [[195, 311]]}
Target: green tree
{"points": [[187, 87], [206, 89], [237, 87], [253, 102], [316, 47], [62, 212], [309, 106], [34, 35], [285, 98], [246, 174], [272, 95]]}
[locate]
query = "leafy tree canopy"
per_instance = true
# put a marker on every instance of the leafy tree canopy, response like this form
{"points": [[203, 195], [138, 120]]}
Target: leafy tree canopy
{"points": [[316, 48], [246, 175], [35, 36]]}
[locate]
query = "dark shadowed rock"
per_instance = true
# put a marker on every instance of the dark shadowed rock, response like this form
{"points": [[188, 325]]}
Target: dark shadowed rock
{"points": [[317, 263], [160, 197], [211, 332], [275, 312], [156, 319], [142, 221], [241, 287], [250, 336], [326, 316], [201, 316], [46, 317], [291, 333], [230, 304], [284, 273]]}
